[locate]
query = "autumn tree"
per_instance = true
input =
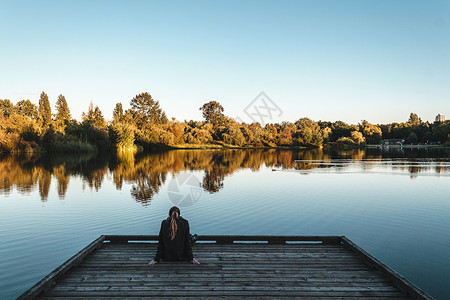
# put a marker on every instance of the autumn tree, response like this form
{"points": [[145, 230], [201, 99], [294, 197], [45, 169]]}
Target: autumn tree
{"points": [[213, 113], [340, 129], [372, 133], [26, 108], [287, 130], [357, 137], [308, 133], [257, 133], [6, 107], [233, 134], [269, 135]]}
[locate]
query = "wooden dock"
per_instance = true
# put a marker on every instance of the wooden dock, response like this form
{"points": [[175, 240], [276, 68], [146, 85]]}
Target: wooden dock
{"points": [[231, 267]]}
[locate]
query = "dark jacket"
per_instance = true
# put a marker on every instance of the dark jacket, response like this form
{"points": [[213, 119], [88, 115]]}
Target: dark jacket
{"points": [[180, 248]]}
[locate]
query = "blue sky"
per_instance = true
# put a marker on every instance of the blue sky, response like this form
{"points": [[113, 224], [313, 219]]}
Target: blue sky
{"points": [[326, 60]]}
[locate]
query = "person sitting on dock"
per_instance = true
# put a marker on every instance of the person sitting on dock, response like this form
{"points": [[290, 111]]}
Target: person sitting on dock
{"points": [[175, 241]]}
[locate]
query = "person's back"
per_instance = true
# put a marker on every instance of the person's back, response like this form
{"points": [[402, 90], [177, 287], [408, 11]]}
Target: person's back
{"points": [[174, 242]]}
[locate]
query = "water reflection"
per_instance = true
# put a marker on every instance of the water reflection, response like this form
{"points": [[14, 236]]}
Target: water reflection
{"points": [[147, 173]]}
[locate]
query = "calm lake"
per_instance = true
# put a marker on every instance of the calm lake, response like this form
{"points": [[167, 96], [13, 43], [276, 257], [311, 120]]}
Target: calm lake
{"points": [[394, 203]]}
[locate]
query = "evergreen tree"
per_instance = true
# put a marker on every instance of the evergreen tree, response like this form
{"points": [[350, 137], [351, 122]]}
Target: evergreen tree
{"points": [[45, 111], [89, 116], [146, 111], [62, 111], [99, 120], [94, 117], [118, 113]]}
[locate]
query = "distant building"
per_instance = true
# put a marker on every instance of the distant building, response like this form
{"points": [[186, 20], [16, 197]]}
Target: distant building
{"points": [[440, 118]]}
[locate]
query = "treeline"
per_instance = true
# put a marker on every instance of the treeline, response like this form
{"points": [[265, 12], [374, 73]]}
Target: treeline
{"points": [[27, 127]]}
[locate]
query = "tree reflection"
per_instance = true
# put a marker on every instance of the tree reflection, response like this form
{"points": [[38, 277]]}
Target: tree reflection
{"points": [[146, 173], [45, 179], [63, 180], [213, 181]]}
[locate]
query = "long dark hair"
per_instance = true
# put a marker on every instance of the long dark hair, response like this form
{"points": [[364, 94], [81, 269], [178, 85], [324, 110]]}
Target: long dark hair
{"points": [[174, 213]]}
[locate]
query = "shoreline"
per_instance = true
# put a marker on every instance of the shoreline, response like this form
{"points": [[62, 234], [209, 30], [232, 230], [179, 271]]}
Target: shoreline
{"points": [[140, 149], [405, 146]]}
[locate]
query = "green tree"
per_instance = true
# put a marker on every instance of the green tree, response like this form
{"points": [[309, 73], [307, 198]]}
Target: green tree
{"points": [[146, 111], [45, 111], [62, 111], [412, 138]]}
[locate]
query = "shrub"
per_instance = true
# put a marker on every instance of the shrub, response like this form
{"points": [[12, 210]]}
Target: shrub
{"points": [[122, 135], [345, 140], [155, 135]]}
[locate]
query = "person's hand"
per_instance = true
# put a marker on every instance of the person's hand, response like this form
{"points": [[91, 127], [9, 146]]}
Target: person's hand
{"points": [[153, 262], [195, 262]]}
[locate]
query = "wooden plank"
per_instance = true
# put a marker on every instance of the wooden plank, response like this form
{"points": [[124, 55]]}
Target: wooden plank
{"points": [[302, 276], [48, 280], [227, 248], [238, 257], [221, 293], [398, 280], [227, 262], [252, 273], [229, 239], [241, 259], [238, 253], [139, 244], [224, 282], [176, 288], [235, 268], [208, 278], [235, 297]]}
